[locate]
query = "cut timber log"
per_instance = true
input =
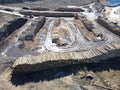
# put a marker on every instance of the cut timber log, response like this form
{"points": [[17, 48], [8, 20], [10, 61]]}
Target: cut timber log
{"points": [[33, 29], [110, 26], [48, 13], [64, 9], [39, 9], [9, 29], [54, 60]]}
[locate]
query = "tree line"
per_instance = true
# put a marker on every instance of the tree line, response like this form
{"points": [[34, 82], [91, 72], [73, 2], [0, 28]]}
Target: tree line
{"points": [[13, 1]]}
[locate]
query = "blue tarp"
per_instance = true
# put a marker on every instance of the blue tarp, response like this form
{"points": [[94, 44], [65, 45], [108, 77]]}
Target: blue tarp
{"points": [[114, 2]]}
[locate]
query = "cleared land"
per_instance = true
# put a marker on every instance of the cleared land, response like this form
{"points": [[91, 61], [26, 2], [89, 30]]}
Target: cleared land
{"points": [[60, 53]]}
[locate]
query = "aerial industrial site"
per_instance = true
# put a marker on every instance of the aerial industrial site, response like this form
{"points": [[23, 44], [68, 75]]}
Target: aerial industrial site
{"points": [[60, 45]]}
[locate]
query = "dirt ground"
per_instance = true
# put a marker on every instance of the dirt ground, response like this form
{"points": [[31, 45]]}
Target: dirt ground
{"points": [[92, 76], [100, 76], [4, 18], [54, 3]]}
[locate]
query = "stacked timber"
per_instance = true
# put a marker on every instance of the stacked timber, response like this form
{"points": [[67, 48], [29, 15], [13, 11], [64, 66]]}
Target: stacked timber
{"points": [[109, 25], [31, 31], [88, 25], [40, 22], [48, 13], [54, 60], [10, 27], [39, 9], [64, 9], [8, 30]]}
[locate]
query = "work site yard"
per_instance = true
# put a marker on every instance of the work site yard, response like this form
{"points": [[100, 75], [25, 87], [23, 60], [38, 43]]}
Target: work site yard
{"points": [[60, 45]]}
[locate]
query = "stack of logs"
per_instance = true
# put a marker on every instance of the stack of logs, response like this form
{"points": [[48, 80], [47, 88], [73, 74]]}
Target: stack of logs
{"points": [[54, 60]]}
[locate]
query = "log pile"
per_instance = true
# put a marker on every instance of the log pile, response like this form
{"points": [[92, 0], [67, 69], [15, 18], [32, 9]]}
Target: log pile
{"points": [[88, 25], [54, 60], [64, 9], [110, 26], [9, 29], [33, 29], [48, 13], [59, 12], [11, 26], [39, 9]]}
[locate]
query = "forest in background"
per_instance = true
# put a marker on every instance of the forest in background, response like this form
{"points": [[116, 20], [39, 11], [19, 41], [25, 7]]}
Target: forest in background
{"points": [[13, 1]]}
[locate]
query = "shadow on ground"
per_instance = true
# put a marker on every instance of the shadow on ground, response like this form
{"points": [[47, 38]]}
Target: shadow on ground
{"points": [[51, 74]]}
